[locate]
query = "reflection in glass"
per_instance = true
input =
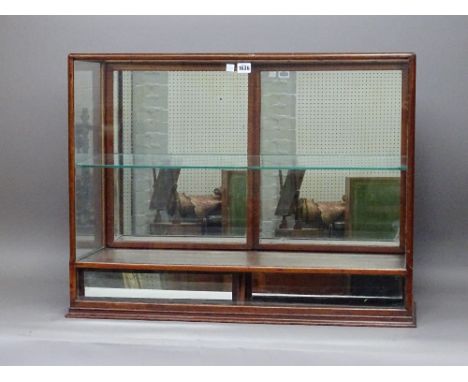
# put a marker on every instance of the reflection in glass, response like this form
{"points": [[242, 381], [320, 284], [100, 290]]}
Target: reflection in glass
{"points": [[88, 141], [166, 114], [334, 114], [168, 286], [294, 289], [181, 208]]}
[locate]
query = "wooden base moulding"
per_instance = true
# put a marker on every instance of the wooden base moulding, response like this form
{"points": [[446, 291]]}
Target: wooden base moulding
{"points": [[262, 315]]}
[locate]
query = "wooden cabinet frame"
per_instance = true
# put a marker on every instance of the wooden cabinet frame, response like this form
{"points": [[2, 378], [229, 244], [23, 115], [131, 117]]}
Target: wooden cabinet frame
{"points": [[82, 307]]}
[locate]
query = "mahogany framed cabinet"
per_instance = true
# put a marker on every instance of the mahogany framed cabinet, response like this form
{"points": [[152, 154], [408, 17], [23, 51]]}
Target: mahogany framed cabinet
{"points": [[256, 188]]}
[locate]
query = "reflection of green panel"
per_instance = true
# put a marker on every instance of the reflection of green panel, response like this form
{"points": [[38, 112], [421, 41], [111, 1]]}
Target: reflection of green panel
{"points": [[373, 208], [235, 202]]}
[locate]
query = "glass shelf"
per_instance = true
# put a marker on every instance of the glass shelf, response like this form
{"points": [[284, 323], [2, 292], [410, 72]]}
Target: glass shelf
{"points": [[245, 162]]}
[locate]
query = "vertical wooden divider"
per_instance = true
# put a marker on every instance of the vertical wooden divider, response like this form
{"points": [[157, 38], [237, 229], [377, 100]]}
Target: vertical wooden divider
{"points": [[108, 151], [242, 282], [253, 152], [241, 287]]}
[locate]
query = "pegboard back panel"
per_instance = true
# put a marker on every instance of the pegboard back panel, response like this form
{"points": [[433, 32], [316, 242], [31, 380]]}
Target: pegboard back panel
{"points": [[346, 113], [207, 113], [349, 112]]}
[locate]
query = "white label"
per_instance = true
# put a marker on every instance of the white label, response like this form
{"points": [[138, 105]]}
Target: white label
{"points": [[244, 67], [272, 74], [283, 74], [230, 67]]}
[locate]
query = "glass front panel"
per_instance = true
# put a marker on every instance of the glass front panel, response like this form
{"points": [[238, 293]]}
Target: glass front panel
{"points": [[345, 117], [163, 286], [88, 144], [180, 114], [307, 289], [180, 205], [267, 288]]}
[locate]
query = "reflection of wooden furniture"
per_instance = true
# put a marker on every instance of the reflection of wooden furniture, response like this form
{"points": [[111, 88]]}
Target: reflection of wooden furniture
{"points": [[315, 270], [176, 229], [373, 208], [234, 195], [311, 219], [190, 215], [327, 289], [291, 284]]}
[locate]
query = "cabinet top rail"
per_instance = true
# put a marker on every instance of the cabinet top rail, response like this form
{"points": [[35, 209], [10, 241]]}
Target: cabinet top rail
{"points": [[239, 56]]}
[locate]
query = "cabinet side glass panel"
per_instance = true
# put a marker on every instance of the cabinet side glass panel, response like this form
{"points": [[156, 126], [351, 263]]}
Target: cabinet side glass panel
{"points": [[182, 114], [334, 114], [88, 144]]}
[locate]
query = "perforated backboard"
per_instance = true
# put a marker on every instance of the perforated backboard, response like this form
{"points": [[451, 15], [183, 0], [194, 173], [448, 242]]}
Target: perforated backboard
{"points": [[346, 113], [207, 114]]}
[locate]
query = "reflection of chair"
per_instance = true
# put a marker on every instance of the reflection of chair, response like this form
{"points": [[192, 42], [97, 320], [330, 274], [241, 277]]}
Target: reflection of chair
{"points": [[164, 190], [192, 215], [289, 195], [310, 218]]}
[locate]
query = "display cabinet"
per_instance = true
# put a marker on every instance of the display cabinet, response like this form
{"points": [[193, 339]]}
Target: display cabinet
{"points": [[260, 188]]}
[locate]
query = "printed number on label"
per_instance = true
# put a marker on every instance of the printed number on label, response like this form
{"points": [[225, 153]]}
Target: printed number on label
{"points": [[244, 67]]}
